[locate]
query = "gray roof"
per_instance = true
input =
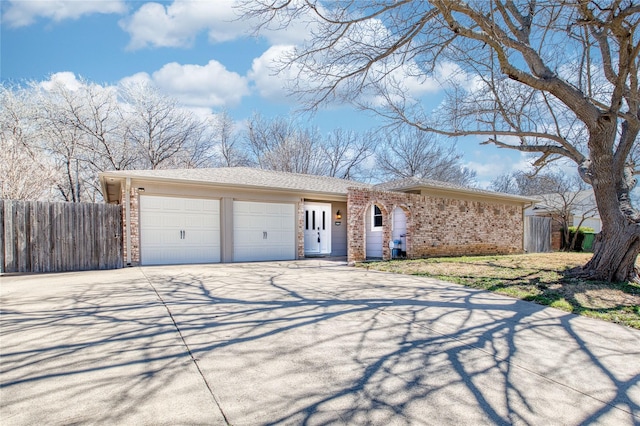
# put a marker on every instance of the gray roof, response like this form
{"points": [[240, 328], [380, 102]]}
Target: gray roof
{"points": [[415, 183], [246, 177]]}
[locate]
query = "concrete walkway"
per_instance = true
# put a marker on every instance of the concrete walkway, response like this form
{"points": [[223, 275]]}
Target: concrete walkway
{"points": [[307, 342]]}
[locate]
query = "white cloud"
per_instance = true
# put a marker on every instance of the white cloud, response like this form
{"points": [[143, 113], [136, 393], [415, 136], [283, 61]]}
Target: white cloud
{"points": [[177, 24], [23, 13], [137, 78], [489, 162], [449, 74], [65, 79], [269, 83], [197, 85], [210, 85]]}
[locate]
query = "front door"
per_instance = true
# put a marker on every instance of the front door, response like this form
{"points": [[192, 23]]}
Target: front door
{"points": [[317, 228]]}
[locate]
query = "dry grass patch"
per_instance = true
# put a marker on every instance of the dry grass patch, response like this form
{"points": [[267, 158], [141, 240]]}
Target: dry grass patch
{"points": [[540, 278]]}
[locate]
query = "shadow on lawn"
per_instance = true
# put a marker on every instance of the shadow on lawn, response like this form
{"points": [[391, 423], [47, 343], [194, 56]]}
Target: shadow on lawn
{"points": [[613, 302], [296, 345]]}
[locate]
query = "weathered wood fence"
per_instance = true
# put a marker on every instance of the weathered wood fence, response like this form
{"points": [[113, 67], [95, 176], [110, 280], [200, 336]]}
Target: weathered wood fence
{"points": [[55, 237], [537, 234]]}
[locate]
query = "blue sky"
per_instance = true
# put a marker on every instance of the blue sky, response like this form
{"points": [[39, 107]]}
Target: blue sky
{"points": [[196, 51]]}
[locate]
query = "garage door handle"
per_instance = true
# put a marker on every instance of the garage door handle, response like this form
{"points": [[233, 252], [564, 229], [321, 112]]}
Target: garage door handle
{"points": [[264, 235]]}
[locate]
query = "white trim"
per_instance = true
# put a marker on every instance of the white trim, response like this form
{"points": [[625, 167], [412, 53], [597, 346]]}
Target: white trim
{"points": [[375, 228]]}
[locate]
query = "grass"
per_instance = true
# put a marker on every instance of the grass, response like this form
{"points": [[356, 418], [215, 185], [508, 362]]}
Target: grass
{"points": [[539, 278]]}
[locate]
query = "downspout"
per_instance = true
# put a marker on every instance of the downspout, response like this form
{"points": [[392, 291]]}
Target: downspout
{"points": [[127, 214]]}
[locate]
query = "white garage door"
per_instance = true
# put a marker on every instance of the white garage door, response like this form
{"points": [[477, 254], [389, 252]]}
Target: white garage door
{"points": [[263, 231], [179, 230]]}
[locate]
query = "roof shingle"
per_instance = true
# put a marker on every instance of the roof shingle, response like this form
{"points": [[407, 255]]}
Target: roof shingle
{"points": [[249, 177]]}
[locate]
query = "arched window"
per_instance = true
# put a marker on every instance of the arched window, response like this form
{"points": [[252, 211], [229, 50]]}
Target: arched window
{"points": [[377, 217]]}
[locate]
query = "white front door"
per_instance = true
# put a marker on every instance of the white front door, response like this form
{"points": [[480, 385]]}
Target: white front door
{"points": [[317, 228]]}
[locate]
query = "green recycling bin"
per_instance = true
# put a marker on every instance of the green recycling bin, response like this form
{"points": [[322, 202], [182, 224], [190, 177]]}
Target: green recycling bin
{"points": [[587, 242]]}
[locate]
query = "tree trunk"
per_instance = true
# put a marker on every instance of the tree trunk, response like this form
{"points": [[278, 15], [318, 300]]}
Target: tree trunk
{"points": [[618, 244], [614, 256]]}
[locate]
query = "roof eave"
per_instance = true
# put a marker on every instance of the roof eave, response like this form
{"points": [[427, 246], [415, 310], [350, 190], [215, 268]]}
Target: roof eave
{"points": [[495, 196], [159, 179]]}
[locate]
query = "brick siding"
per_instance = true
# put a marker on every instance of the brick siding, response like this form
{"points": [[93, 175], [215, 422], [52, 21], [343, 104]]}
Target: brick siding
{"points": [[135, 226], [437, 226], [300, 231]]}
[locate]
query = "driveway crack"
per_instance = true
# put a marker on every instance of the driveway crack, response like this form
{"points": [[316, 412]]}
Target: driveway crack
{"points": [[186, 345]]}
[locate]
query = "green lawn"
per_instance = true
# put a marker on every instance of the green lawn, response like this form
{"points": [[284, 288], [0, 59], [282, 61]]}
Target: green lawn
{"points": [[539, 278]]}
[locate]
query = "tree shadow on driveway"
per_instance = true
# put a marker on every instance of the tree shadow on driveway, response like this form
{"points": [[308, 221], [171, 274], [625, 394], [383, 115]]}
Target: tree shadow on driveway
{"points": [[94, 347], [306, 343], [310, 345]]}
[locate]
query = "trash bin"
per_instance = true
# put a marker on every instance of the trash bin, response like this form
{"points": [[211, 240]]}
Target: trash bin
{"points": [[395, 249], [587, 242]]}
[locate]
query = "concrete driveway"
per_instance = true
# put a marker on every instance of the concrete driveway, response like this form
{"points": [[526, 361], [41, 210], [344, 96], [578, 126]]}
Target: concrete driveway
{"points": [[306, 342]]}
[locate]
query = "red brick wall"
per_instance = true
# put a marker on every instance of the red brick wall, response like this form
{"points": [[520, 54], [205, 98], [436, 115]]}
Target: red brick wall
{"points": [[437, 226], [556, 240]]}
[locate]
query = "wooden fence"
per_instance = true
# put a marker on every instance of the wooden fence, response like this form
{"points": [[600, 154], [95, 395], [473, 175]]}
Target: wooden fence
{"points": [[55, 237], [537, 234]]}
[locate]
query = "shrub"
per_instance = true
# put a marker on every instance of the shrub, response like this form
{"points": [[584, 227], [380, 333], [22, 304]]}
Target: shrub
{"points": [[581, 230]]}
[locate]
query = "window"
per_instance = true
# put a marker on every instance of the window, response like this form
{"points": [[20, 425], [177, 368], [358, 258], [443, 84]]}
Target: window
{"points": [[377, 217]]}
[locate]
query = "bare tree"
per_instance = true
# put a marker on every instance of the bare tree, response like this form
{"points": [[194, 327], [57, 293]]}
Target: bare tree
{"points": [[280, 144], [553, 78], [522, 182], [158, 128], [570, 205], [92, 113], [227, 142], [506, 183], [409, 152], [346, 153], [563, 197], [62, 135], [25, 173], [285, 145], [63, 141]]}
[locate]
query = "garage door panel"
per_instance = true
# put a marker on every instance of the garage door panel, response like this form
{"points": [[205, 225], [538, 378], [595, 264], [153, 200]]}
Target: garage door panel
{"points": [[160, 237], [198, 221], [179, 230], [195, 206], [275, 221], [250, 222], [204, 238]]}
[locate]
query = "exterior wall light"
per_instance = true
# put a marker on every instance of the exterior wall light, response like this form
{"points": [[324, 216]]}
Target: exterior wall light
{"points": [[338, 215]]}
